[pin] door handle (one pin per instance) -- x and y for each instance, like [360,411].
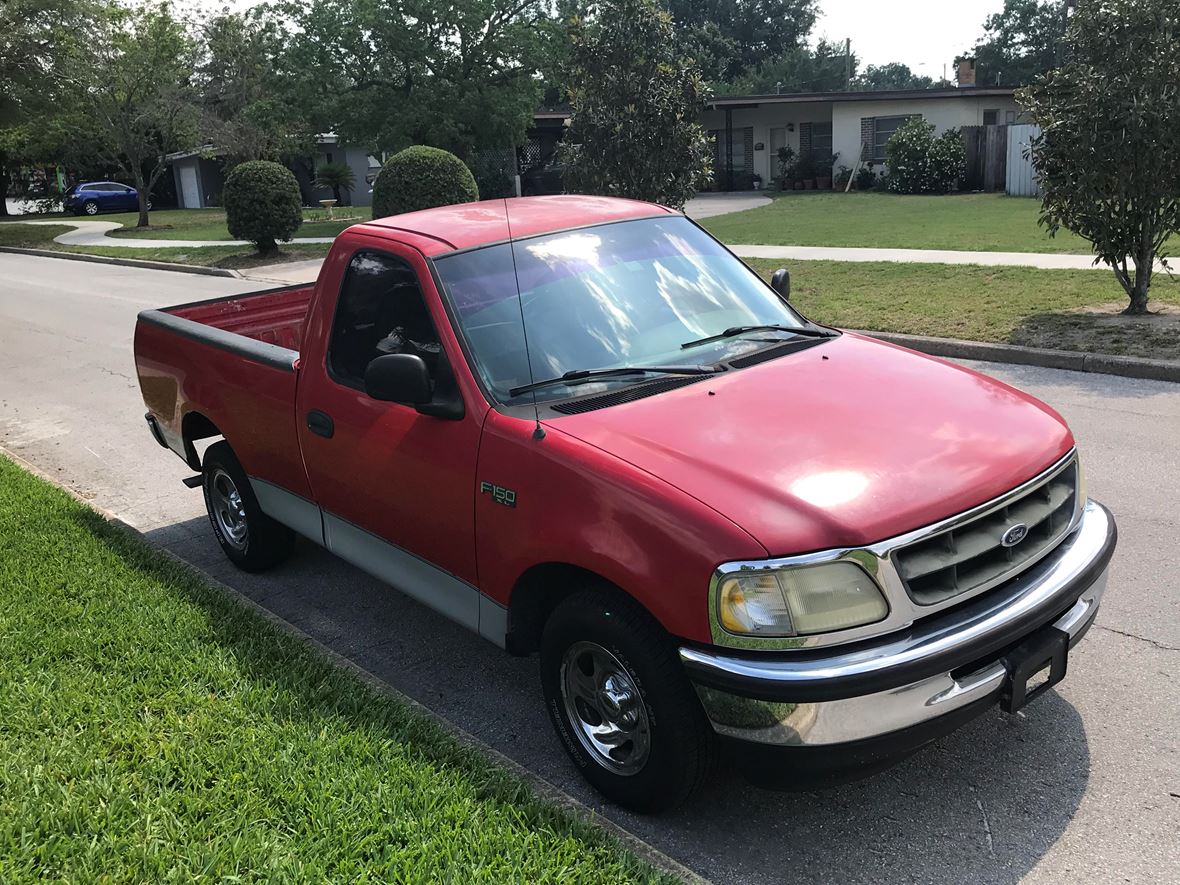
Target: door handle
[320,423]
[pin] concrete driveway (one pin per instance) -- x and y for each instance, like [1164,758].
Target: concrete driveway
[1083,786]
[708,205]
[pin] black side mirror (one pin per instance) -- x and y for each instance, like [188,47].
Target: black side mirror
[398,378]
[781,283]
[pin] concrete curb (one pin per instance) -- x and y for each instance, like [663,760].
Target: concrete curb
[125,262]
[1075,361]
[543,788]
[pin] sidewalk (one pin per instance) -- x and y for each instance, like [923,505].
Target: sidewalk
[94,233]
[1048,261]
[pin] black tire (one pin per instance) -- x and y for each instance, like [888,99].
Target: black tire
[681,746]
[90,207]
[249,538]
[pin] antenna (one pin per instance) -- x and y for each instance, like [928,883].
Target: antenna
[538,430]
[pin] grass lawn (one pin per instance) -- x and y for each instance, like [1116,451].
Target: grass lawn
[1064,309]
[31,236]
[967,222]
[209,224]
[153,729]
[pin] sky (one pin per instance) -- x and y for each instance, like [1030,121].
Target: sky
[924,34]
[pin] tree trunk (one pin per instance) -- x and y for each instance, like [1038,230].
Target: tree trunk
[1144,267]
[3,185]
[267,248]
[336,194]
[141,188]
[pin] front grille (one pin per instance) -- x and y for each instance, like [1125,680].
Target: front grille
[972,556]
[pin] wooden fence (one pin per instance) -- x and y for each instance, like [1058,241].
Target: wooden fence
[987,157]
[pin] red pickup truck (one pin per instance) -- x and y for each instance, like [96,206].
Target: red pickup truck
[581,427]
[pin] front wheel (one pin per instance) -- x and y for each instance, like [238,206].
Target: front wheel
[248,537]
[621,704]
[90,207]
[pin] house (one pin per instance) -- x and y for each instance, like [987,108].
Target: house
[199,177]
[748,130]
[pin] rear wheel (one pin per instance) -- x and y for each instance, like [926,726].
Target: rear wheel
[621,704]
[248,537]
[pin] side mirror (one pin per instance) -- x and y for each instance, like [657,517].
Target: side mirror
[398,378]
[781,283]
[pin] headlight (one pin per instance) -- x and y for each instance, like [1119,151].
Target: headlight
[799,601]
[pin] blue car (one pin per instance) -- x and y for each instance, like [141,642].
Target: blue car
[92,197]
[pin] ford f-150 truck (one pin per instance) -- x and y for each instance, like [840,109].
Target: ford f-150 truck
[581,427]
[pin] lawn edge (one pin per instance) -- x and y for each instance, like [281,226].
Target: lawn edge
[1070,360]
[125,262]
[544,789]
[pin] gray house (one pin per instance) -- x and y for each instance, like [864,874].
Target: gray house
[199,178]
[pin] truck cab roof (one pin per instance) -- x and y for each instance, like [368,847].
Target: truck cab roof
[472,225]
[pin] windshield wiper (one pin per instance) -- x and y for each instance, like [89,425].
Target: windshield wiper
[734,331]
[578,376]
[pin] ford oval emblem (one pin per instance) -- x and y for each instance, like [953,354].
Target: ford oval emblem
[1014,535]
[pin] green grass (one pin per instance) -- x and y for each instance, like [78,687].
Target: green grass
[153,729]
[209,224]
[1013,305]
[967,222]
[31,236]
[207,256]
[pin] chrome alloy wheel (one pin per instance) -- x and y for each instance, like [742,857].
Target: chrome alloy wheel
[228,510]
[605,708]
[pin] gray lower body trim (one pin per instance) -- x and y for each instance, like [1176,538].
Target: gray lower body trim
[288,508]
[415,577]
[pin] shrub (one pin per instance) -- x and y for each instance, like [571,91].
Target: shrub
[866,177]
[336,177]
[843,176]
[922,163]
[262,204]
[422,177]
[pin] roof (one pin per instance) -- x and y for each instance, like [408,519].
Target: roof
[470,225]
[883,95]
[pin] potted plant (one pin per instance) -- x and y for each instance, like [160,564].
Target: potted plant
[823,171]
[805,171]
[757,181]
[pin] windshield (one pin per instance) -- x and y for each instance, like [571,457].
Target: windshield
[623,294]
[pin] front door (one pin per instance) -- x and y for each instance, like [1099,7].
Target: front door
[396,487]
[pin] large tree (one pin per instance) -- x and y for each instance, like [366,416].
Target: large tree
[1108,157]
[826,68]
[1020,42]
[893,75]
[636,96]
[730,38]
[390,73]
[131,90]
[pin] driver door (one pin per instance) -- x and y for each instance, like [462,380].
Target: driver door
[396,487]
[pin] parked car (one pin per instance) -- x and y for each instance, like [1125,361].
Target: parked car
[582,428]
[93,197]
[546,179]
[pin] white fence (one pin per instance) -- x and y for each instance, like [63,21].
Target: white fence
[1021,176]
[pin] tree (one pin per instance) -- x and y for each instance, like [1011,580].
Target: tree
[1020,42]
[390,73]
[893,75]
[825,68]
[730,38]
[262,204]
[1108,157]
[131,90]
[337,177]
[250,111]
[636,97]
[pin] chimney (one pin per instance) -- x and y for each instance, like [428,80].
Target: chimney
[965,71]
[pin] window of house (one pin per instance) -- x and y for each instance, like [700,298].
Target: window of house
[883,129]
[821,139]
[381,311]
[328,158]
[991,117]
[1010,117]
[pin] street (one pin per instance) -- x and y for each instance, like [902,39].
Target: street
[1082,785]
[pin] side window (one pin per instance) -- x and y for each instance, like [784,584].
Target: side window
[991,117]
[381,311]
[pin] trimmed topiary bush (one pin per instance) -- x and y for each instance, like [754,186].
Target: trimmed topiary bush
[422,177]
[921,162]
[262,204]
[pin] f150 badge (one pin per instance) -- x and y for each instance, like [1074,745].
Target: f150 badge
[499,494]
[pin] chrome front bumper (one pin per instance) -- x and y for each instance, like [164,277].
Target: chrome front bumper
[937,666]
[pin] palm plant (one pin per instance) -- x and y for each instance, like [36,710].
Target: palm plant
[337,177]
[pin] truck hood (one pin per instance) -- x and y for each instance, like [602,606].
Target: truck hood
[845,443]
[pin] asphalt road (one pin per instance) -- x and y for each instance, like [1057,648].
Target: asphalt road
[1084,786]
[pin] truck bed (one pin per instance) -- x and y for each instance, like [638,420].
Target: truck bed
[275,316]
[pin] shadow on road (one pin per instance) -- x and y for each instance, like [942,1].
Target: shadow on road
[982,805]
